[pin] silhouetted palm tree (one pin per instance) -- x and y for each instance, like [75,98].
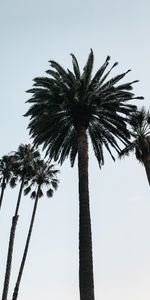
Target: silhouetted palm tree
[7,165]
[45,175]
[140,125]
[66,108]
[24,157]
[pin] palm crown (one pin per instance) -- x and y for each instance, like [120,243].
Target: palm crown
[66,101]
[140,127]
[25,157]
[7,167]
[43,174]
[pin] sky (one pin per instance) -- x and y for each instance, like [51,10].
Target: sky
[32,33]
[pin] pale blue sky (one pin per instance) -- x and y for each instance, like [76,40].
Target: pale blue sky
[33,32]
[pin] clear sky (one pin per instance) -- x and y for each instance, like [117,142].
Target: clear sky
[31,33]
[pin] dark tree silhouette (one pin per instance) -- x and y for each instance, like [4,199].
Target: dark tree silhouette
[66,108]
[140,126]
[7,165]
[24,158]
[45,175]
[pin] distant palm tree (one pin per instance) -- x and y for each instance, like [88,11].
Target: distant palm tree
[66,108]
[7,164]
[45,175]
[24,157]
[140,125]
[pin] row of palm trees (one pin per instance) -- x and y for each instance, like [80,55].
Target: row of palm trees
[67,108]
[25,167]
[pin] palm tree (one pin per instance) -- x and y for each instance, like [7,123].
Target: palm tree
[45,174]
[7,164]
[66,108]
[140,126]
[24,161]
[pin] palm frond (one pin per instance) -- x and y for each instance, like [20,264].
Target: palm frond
[75,66]
[13,182]
[99,74]
[127,150]
[49,193]
[58,69]
[27,190]
[87,71]
[33,195]
[107,74]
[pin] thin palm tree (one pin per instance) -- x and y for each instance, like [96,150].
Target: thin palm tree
[45,175]
[7,164]
[140,126]
[24,158]
[66,108]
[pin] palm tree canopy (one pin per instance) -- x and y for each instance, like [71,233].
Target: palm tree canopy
[44,174]
[140,122]
[25,157]
[7,166]
[66,101]
[140,128]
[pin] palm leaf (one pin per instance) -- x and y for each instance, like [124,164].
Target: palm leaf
[49,193]
[99,73]
[27,190]
[87,71]
[75,66]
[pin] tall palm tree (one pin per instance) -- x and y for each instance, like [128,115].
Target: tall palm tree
[24,157]
[7,165]
[66,108]
[45,175]
[140,126]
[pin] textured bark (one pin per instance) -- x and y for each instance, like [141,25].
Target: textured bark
[86,280]
[11,245]
[2,191]
[16,289]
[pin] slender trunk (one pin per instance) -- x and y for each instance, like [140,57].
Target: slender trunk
[9,258]
[2,190]
[11,245]
[16,289]
[19,196]
[86,280]
[147,168]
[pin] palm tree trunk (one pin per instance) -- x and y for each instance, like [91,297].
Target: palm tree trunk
[2,190]
[9,258]
[86,280]
[11,245]
[147,168]
[16,289]
[19,196]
